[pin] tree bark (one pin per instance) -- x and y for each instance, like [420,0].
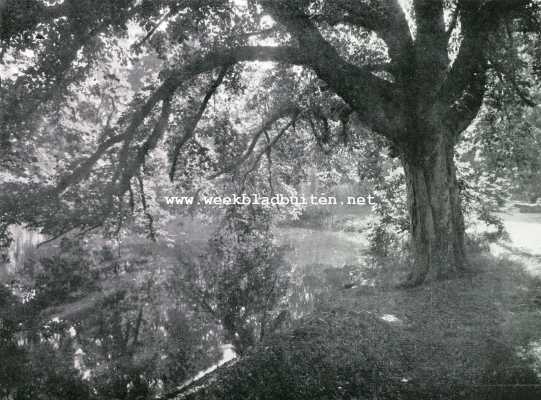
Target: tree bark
[436,218]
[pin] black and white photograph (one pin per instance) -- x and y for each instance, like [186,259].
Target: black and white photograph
[270,199]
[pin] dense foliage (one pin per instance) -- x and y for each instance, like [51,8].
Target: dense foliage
[109,109]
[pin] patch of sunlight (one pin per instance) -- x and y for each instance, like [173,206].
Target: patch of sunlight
[228,353]
[367,282]
[497,250]
[391,318]
[240,3]
[72,331]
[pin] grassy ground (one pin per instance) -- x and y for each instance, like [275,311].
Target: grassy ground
[476,331]
[478,336]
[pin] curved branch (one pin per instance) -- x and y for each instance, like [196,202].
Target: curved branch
[376,101]
[176,78]
[83,170]
[277,115]
[148,146]
[164,92]
[270,146]
[386,18]
[372,98]
[189,130]
[150,219]
[199,65]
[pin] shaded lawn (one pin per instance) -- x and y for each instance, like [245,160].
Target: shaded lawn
[469,338]
[472,337]
[459,339]
[475,331]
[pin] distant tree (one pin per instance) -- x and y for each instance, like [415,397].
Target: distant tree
[507,139]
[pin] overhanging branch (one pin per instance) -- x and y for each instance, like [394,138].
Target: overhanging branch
[274,117]
[376,101]
[270,145]
[84,169]
[385,17]
[199,65]
[189,129]
[131,169]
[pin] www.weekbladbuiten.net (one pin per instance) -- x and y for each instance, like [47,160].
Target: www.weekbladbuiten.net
[277,199]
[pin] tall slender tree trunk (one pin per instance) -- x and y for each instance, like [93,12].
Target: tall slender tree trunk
[436,219]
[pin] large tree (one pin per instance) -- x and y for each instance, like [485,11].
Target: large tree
[422,89]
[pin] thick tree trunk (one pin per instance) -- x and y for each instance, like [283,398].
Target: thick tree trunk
[436,219]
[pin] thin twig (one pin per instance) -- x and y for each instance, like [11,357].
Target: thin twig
[270,145]
[58,236]
[154,28]
[84,169]
[152,232]
[148,145]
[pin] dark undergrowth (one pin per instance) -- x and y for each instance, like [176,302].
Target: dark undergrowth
[465,338]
